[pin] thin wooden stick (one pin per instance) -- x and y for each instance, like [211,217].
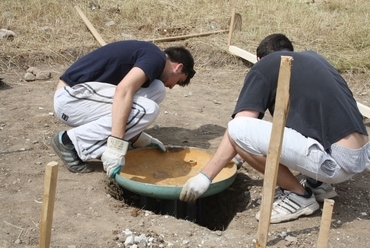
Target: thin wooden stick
[91,27]
[231,29]
[182,37]
[273,154]
[327,212]
[365,110]
[51,174]
[243,54]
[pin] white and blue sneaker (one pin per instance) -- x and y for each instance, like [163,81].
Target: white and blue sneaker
[290,206]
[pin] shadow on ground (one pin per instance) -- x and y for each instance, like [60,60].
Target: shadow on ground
[176,136]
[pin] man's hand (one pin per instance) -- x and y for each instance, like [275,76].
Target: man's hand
[145,140]
[195,187]
[114,156]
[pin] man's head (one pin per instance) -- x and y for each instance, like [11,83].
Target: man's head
[179,54]
[273,43]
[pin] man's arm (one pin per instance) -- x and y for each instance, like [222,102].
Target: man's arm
[123,98]
[113,157]
[225,152]
[197,185]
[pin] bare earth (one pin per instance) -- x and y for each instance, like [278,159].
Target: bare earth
[91,211]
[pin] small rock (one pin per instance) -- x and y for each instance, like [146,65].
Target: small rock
[129,241]
[291,239]
[138,239]
[127,36]
[43,75]
[29,77]
[4,33]
[155,127]
[33,70]
[110,23]
[45,28]
[283,234]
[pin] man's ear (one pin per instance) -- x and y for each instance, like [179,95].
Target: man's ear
[179,67]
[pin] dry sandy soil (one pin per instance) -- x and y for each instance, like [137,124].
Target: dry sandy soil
[91,211]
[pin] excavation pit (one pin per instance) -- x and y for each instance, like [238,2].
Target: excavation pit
[158,177]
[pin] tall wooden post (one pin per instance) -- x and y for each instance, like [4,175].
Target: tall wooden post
[51,174]
[273,154]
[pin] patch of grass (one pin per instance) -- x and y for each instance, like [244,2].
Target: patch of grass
[53,32]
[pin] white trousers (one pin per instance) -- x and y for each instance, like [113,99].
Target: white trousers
[298,152]
[87,108]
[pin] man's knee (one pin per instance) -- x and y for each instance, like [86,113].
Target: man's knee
[245,133]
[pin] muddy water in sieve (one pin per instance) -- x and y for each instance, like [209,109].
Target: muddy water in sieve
[171,168]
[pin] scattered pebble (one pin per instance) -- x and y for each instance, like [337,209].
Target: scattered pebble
[4,33]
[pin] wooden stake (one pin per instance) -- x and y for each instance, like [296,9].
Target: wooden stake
[182,37]
[365,110]
[273,154]
[231,29]
[243,54]
[51,174]
[327,212]
[91,27]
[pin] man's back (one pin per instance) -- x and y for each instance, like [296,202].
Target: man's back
[110,63]
[321,104]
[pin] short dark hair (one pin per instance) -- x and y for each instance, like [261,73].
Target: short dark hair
[182,55]
[273,43]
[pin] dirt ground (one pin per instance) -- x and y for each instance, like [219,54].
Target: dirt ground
[90,210]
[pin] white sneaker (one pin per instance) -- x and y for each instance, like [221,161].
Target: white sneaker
[324,191]
[289,206]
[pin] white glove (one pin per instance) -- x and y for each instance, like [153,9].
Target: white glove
[114,156]
[145,140]
[195,187]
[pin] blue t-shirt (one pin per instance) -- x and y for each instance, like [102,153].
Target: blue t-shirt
[111,63]
[321,105]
